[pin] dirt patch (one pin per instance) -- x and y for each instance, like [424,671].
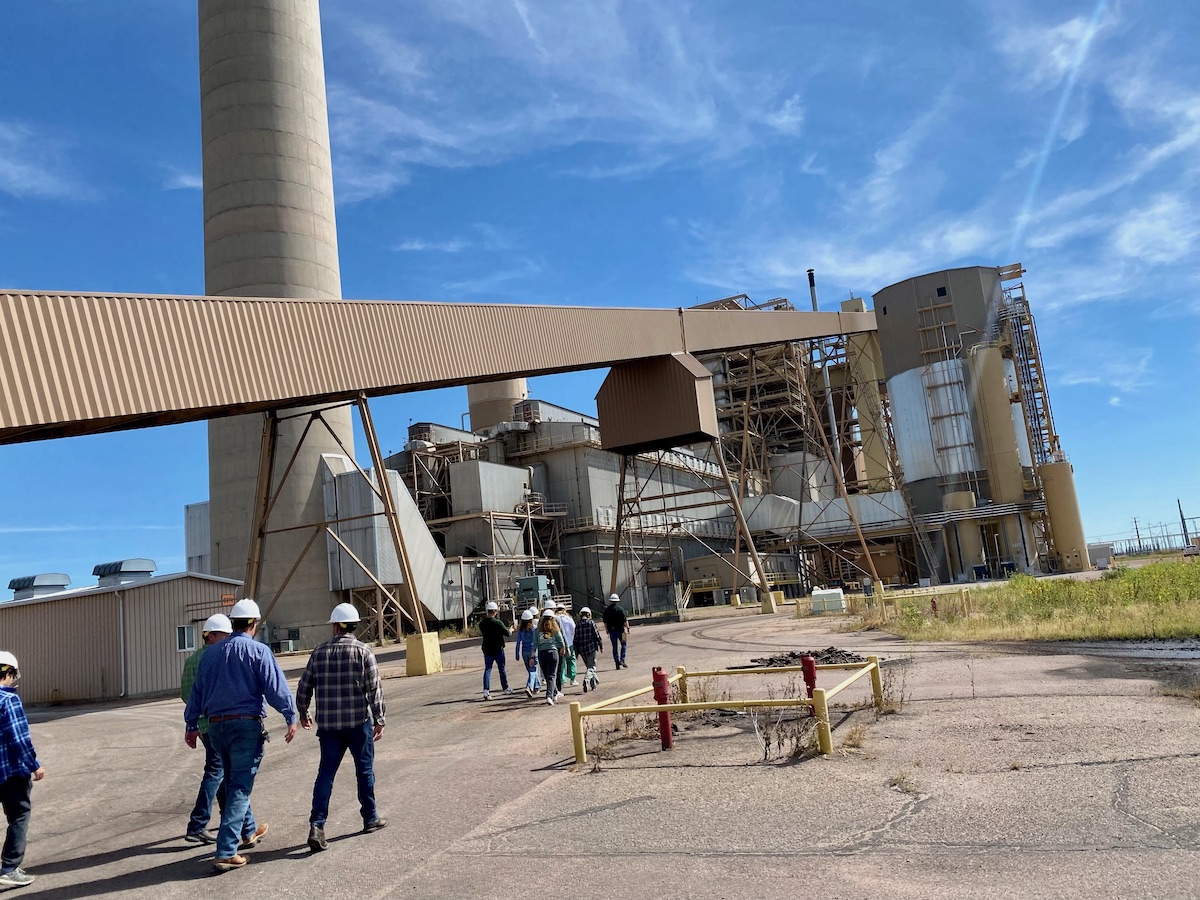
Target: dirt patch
[827,657]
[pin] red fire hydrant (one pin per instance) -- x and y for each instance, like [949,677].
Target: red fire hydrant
[662,694]
[808,668]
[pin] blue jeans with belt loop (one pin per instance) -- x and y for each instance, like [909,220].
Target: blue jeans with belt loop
[239,744]
[360,741]
[212,787]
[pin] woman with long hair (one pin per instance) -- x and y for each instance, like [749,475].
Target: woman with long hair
[550,646]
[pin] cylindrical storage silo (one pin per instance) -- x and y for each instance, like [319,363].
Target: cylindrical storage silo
[993,420]
[962,537]
[1062,506]
[493,402]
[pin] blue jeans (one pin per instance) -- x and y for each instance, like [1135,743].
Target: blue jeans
[531,679]
[498,659]
[617,638]
[212,787]
[548,660]
[14,797]
[334,743]
[238,744]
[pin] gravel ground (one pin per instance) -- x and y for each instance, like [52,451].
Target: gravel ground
[1018,771]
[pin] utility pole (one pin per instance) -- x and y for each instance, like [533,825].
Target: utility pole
[1139,535]
[1187,541]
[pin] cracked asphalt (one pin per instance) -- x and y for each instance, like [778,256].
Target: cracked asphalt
[1009,770]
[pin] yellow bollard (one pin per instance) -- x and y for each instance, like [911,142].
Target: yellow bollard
[821,711]
[683,694]
[876,681]
[577,733]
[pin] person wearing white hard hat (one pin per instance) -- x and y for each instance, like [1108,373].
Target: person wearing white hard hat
[526,651]
[19,768]
[235,681]
[586,644]
[550,649]
[567,668]
[212,782]
[350,716]
[493,632]
[617,625]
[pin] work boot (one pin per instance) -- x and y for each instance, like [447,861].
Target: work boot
[200,837]
[251,840]
[375,824]
[233,862]
[316,839]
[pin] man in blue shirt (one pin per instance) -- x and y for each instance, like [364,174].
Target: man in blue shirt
[19,768]
[235,681]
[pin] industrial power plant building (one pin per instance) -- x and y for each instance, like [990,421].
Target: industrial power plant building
[924,455]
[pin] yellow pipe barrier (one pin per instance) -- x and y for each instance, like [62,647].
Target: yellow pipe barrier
[821,711]
[876,681]
[819,702]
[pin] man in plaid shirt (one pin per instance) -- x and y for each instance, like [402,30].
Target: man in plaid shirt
[19,768]
[345,677]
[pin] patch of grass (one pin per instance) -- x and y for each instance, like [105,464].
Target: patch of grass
[1185,686]
[854,736]
[1160,600]
[1014,766]
[903,782]
[894,681]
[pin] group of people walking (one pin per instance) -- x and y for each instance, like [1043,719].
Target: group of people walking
[230,681]
[228,684]
[551,645]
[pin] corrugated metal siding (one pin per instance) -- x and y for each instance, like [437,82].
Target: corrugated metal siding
[152,614]
[78,363]
[656,403]
[68,649]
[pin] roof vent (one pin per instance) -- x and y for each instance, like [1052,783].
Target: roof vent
[124,571]
[28,586]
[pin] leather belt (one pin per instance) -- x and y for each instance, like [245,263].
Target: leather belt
[231,718]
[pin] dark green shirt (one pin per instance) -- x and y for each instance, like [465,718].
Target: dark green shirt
[494,632]
[189,678]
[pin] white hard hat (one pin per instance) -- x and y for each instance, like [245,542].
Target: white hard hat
[527,616]
[7,659]
[562,606]
[245,609]
[343,612]
[492,606]
[613,598]
[547,612]
[218,622]
[585,612]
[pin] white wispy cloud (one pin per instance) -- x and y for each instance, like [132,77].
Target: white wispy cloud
[1164,231]
[181,180]
[419,245]
[33,164]
[643,86]
[1108,363]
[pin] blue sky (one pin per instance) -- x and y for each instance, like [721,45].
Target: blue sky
[641,154]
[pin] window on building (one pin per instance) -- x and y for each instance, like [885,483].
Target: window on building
[185,638]
[941,292]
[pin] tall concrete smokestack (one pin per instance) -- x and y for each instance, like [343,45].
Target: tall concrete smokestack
[269,231]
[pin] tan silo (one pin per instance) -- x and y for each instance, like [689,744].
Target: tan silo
[1062,506]
[493,402]
[962,537]
[994,421]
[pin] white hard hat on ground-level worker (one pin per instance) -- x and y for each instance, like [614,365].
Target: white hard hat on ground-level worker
[527,616]
[613,598]
[7,659]
[586,613]
[492,606]
[548,611]
[562,606]
[343,613]
[219,622]
[245,609]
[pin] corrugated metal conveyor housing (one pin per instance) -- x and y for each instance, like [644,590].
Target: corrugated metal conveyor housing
[83,363]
